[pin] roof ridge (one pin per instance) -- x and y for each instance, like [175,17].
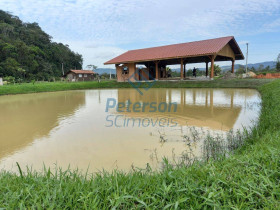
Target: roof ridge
[179,50]
[181,43]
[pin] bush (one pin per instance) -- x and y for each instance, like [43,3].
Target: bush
[278,66]
[9,79]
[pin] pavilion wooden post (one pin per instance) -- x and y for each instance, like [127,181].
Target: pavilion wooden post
[157,73]
[212,66]
[182,69]
[206,73]
[232,65]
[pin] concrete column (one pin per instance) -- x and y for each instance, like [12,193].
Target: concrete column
[182,69]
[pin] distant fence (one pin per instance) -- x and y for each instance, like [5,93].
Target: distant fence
[268,76]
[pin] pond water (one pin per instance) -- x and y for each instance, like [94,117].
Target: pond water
[116,128]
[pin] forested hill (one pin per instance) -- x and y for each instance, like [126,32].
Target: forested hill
[27,52]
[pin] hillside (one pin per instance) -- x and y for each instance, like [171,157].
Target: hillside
[27,52]
[271,64]
[106,71]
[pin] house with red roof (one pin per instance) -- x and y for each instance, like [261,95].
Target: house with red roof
[80,75]
[156,59]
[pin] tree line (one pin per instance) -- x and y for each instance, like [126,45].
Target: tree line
[261,69]
[28,53]
[240,70]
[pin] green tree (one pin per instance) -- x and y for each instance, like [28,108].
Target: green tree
[189,73]
[278,63]
[267,68]
[6,29]
[25,46]
[10,66]
[240,70]
[253,69]
[92,67]
[9,79]
[168,68]
[22,72]
[261,67]
[217,70]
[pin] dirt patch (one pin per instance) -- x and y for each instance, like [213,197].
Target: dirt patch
[268,76]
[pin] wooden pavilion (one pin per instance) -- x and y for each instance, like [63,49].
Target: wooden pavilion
[156,59]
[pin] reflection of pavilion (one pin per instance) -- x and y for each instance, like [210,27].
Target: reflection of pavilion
[26,117]
[195,107]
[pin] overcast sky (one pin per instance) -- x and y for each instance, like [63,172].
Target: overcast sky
[103,29]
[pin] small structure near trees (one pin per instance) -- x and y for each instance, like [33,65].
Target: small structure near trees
[80,75]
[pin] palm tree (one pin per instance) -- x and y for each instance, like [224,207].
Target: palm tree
[91,66]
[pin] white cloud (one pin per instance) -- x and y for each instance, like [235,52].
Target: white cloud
[94,54]
[272,26]
[244,42]
[103,27]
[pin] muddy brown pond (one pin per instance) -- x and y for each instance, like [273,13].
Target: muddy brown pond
[117,128]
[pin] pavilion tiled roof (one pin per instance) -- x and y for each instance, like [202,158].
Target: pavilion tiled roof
[189,49]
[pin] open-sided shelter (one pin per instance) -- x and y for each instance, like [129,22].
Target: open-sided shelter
[156,59]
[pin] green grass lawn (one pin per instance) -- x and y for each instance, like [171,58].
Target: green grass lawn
[61,86]
[248,179]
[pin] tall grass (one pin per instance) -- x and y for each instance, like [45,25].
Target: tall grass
[248,179]
[61,86]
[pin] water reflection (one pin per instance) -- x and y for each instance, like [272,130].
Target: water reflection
[196,107]
[70,127]
[25,118]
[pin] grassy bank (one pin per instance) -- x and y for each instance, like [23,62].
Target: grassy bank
[248,179]
[61,86]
